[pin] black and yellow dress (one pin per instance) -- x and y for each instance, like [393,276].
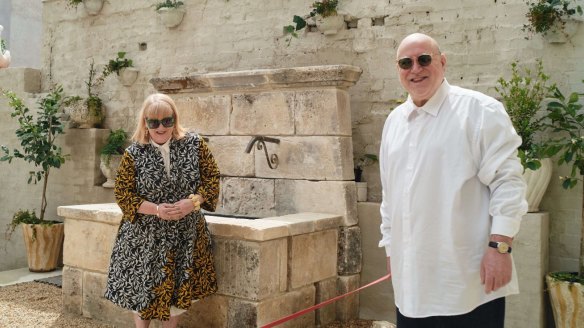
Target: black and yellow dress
[156,264]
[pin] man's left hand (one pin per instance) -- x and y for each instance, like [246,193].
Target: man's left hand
[495,270]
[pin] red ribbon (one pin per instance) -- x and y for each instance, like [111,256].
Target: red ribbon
[327,302]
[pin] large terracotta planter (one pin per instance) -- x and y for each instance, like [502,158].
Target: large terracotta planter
[43,246]
[537,183]
[567,301]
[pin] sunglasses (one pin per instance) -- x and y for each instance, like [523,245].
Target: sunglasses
[407,62]
[167,122]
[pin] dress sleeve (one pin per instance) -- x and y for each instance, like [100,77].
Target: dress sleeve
[125,189]
[209,187]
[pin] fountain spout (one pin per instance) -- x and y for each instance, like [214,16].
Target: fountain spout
[261,144]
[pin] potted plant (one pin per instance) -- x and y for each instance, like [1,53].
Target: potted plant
[363,161]
[171,12]
[92,7]
[123,67]
[111,155]
[4,53]
[522,95]
[86,113]
[43,238]
[328,21]
[552,19]
[567,121]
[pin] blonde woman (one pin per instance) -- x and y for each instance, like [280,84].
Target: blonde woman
[162,261]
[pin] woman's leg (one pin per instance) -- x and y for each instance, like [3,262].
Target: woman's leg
[139,322]
[172,322]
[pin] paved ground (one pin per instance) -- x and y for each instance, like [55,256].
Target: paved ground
[35,304]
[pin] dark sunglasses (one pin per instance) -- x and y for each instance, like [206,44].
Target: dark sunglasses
[407,62]
[167,122]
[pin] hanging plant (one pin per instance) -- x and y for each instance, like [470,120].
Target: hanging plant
[169,4]
[323,8]
[545,15]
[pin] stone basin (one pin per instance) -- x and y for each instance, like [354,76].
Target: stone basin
[266,268]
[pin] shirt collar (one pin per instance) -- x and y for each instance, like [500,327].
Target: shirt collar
[432,106]
[164,147]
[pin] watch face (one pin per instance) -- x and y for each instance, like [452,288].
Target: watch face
[503,247]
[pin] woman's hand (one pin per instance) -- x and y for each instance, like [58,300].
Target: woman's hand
[171,212]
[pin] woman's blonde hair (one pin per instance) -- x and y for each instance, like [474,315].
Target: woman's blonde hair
[153,105]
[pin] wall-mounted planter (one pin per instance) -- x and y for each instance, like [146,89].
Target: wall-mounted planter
[331,24]
[93,7]
[171,17]
[128,76]
[5,59]
[562,34]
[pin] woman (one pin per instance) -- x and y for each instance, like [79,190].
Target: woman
[161,260]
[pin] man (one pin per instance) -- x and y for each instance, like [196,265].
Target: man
[453,197]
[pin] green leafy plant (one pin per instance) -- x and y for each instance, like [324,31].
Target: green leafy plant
[116,65]
[169,4]
[37,140]
[522,95]
[115,144]
[543,15]
[93,102]
[567,122]
[324,8]
[363,161]
[73,3]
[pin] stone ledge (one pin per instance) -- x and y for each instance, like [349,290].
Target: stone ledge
[340,76]
[253,230]
[21,79]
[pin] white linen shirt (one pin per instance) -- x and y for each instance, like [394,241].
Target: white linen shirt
[450,177]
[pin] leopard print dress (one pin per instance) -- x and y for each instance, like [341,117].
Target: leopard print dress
[156,264]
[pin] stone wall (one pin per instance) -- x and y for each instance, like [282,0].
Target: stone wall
[479,38]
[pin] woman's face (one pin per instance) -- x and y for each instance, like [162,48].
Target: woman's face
[160,127]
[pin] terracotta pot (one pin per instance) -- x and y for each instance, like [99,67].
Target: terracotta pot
[567,300]
[43,245]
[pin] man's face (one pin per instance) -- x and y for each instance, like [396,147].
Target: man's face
[420,81]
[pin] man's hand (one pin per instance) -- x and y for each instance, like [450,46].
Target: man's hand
[496,268]
[388,265]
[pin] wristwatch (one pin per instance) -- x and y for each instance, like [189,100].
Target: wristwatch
[501,246]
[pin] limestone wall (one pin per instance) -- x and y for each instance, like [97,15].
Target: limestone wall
[480,39]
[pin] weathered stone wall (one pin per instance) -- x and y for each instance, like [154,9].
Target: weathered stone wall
[480,39]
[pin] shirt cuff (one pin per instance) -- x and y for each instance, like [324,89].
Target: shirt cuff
[506,226]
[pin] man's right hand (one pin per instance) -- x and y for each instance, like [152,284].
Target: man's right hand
[388,265]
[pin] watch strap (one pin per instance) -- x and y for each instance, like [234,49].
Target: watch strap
[495,244]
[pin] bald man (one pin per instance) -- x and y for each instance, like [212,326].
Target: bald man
[453,197]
